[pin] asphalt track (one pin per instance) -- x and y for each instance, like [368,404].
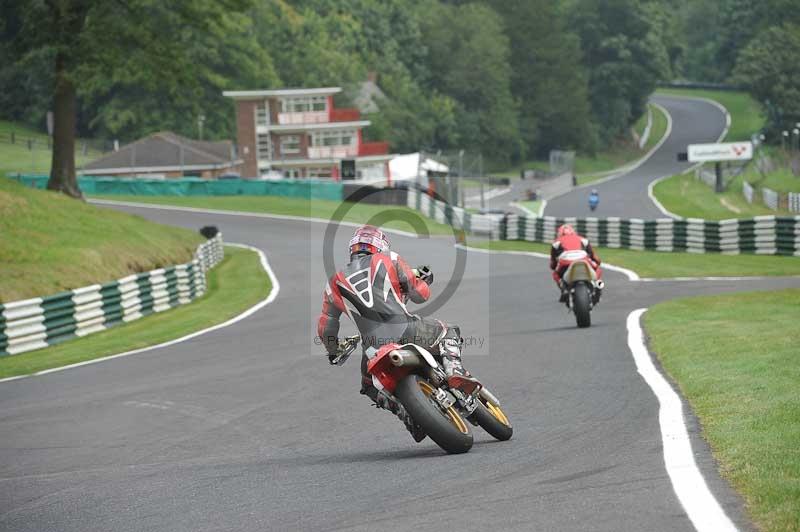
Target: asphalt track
[693,121]
[248,427]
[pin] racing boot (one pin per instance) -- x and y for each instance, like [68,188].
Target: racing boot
[450,348]
[564,292]
[457,376]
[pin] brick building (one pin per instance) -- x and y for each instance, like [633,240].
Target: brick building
[298,133]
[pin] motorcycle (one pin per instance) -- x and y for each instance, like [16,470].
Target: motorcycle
[582,284]
[416,379]
[594,201]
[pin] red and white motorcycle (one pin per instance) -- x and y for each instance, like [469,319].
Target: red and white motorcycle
[416,379]
[581,282]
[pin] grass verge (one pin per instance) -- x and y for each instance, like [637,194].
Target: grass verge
[234,285]
[18,158]
[747,116]
[532,206]
[50,243]
[686,196]
[358,213]
[660,264]
[734,358]
[780,180]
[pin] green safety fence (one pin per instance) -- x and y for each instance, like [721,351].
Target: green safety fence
[193,186]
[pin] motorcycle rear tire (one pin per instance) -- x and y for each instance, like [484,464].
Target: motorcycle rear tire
[447,428]
[496,424]
[581,305]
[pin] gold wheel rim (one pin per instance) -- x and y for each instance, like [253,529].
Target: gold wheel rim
[455,418]
[497,412]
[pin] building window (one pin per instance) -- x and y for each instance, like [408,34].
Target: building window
[262,114]
[290,144]
[334,138]
[317,173]
[304,104]
[264,147]
[292,174]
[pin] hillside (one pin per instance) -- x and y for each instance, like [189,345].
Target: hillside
[50,243]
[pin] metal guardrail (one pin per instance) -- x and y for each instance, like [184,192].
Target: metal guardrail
[43,321]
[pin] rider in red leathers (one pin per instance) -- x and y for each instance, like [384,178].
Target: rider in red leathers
[568,240]
[372,290]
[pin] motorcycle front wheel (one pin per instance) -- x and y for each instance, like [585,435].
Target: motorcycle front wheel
[444,426]
[493,420]
[581,305]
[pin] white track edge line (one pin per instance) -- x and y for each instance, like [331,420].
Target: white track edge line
[240,213]
[700,505]
[276,288]
[625,170]
[630,274]
[722,135]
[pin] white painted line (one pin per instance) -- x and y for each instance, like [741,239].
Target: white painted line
[276,288]
[694,279]
[722,135]
[646,133]
[630,274]
[657,203]
[701,507]
[240,213]
[625,170]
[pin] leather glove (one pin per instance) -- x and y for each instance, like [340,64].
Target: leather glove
[424,273]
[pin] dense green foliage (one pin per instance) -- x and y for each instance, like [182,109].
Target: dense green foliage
[753,44]
[510,78]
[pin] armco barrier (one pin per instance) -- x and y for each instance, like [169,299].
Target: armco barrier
[43,321]
[764,235]
[188,186]
[768,235]
[447,214]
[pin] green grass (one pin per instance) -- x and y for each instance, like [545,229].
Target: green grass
[746,113]
[666,265]
[18,158]
[359,213]
[233,286]
[734,358]
[532,206]
[781,180]
[688,197]
[50,243]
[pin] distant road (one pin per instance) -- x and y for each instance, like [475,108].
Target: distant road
[693,121]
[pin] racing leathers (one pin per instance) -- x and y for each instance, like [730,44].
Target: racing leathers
[571,242]
[372,290]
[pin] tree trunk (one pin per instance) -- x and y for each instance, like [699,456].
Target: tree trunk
[62,170]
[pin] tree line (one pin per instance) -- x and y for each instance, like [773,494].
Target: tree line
[512,79]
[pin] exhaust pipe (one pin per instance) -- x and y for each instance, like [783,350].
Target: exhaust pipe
[489,396]
[405,359]
[600,284]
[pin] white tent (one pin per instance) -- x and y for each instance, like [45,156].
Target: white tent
[408,166]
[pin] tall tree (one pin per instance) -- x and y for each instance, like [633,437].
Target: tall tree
[548,79]
[469,61]
[768,66]
[621,53]
[89,41]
